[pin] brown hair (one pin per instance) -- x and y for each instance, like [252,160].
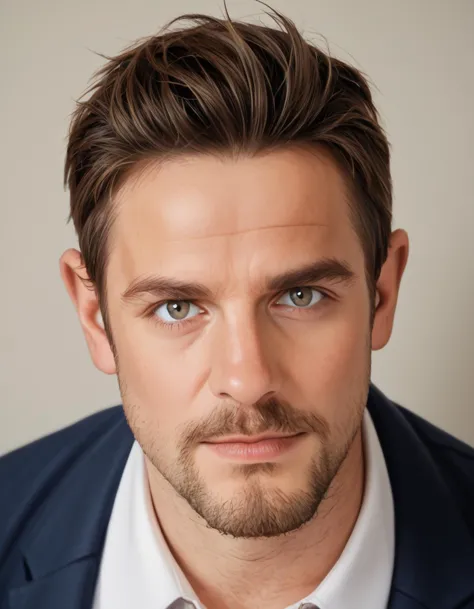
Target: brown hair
[222,86]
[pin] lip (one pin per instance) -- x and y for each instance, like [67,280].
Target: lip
[254,449]
[250,439]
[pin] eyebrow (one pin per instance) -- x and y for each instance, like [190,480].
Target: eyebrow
[327,269]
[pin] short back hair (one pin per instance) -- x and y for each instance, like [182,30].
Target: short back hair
[222,86]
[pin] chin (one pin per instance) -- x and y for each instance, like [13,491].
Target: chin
[258,504]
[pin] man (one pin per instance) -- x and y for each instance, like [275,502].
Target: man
[230,187]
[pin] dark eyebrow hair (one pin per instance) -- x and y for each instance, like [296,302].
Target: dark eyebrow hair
[329,269]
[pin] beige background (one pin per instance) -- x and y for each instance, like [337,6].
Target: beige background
[420,55]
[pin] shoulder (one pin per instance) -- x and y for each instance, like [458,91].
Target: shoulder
[453,459]
[28,472]
[448,459]
[441,445]
[36,455]
[446,445]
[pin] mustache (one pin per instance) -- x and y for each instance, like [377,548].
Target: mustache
[273,414]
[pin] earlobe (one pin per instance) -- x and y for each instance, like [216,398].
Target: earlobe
[84,297]
[388,287]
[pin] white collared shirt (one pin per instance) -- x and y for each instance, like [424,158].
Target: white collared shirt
[138,570]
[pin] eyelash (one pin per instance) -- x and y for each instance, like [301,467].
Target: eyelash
[179,324]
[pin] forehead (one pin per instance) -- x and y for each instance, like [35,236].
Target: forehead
[202,214]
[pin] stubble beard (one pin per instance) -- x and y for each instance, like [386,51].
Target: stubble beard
[255,511]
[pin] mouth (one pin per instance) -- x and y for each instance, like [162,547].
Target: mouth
[259,448]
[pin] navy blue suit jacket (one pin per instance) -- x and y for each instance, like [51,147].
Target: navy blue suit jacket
[57,494]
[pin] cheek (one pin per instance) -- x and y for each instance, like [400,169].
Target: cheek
[154,377]
[334,355]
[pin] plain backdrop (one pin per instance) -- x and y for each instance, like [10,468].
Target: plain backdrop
[420,56]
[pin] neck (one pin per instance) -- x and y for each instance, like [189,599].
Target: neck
[275,572]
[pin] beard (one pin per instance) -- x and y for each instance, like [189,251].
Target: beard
[254,511]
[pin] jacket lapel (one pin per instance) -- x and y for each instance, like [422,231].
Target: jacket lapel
[62,549]
[71,587]
[434,551]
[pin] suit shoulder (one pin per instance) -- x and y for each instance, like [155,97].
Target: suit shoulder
[437,438]
[20,468]
[453,458]
[50,443]
[31,474]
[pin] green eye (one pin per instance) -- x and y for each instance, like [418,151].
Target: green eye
[301,297]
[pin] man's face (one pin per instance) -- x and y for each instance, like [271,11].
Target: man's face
[216,341]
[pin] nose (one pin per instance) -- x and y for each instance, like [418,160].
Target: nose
[243,362]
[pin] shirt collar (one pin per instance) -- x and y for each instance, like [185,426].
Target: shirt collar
[138,568]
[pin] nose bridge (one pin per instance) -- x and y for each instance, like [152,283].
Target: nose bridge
[242,365]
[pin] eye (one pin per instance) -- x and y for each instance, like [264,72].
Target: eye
[174,311]
[301,298]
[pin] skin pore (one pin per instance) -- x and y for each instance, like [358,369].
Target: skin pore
[238,305]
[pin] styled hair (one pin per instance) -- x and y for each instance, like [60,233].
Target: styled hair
[223,87]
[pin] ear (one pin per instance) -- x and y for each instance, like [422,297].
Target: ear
[84,297]
[387,288]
